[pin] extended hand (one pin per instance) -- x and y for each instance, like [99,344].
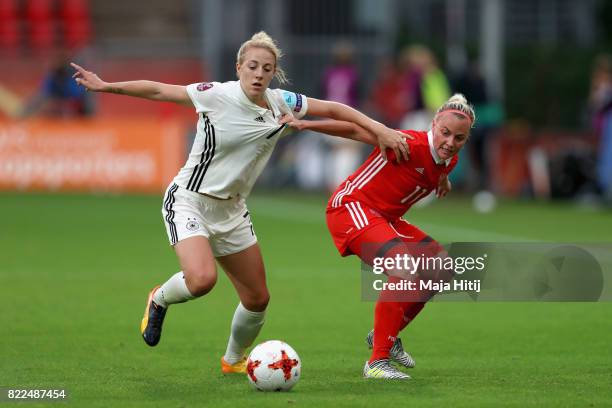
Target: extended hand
[396,141]
[88,79]
[291,121]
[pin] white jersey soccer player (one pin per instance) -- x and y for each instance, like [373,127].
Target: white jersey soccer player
[232,127]
[234,141]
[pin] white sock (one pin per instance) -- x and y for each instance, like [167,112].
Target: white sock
[173,291]
[245,328]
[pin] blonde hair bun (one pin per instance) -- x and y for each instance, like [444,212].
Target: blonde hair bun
[458,98]
[458,102]
[261,39]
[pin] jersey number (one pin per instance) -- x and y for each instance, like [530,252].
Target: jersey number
[418,193]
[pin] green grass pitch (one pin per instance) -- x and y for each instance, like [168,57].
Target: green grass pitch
[75,271]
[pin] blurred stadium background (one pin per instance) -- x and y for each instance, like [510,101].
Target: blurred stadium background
[81,177]
[537,72]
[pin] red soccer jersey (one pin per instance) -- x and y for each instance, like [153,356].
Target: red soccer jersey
[391,188]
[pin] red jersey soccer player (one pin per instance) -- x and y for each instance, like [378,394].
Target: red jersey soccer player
[364,214]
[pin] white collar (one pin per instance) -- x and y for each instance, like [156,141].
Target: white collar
[432,149]
[245,99]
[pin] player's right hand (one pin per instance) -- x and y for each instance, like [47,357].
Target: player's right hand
[87,79]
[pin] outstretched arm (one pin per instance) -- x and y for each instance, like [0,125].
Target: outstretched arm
[338,128]
[387,138]
[155,91]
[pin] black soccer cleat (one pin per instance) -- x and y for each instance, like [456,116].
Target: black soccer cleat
[151,325]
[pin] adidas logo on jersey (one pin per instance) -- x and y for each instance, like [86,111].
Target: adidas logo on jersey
[259,119]
[420,169]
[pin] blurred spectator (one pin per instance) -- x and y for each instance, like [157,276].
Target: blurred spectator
[489,115]
[427,87]
[601,105]
[337,157]
[341,79]
[388,98]
[59,95]
[397,90]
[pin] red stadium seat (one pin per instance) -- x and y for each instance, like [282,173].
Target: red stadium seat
[41,24]
[76,22]
[10,35]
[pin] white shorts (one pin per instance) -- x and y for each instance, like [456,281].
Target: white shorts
[226,223]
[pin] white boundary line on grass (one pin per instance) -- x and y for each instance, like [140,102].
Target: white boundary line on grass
[288,210]
[315,214]
[300,212]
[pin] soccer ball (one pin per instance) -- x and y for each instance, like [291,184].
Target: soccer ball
[273,366]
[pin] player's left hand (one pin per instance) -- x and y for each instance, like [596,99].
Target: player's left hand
[88,80]
[396,141]
[444,186]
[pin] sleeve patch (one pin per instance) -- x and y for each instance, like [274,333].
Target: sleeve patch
[204,86]
[298,103]
[293,100]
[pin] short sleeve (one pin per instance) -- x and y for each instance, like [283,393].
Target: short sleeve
[296,102]
[205,96]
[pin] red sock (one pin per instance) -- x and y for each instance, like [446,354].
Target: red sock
[411,312]
[388,319]
[415,307]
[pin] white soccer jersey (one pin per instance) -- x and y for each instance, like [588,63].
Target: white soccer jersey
[234,138]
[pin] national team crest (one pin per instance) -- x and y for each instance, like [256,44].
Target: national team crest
[204,86]
[192,224]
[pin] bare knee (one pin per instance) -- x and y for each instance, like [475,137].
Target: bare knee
[200,281]
[198,264]
[256,302]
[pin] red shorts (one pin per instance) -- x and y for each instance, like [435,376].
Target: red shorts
[360,230]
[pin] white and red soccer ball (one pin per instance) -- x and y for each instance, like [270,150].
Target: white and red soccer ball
[273,366]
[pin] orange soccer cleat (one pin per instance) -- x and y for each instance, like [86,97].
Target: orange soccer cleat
[239,368]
